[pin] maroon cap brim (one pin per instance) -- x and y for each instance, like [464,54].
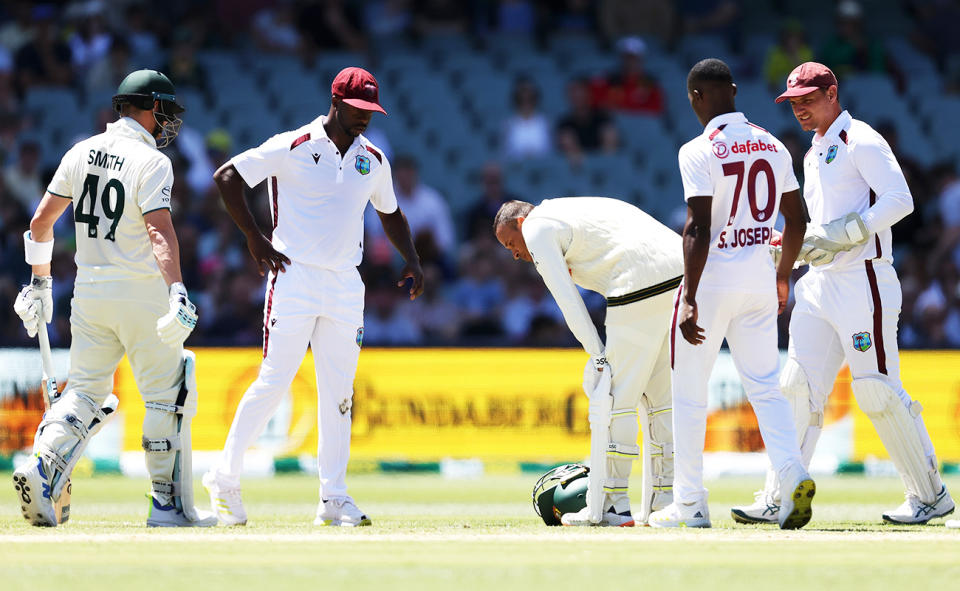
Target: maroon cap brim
[796,91]
[365,105]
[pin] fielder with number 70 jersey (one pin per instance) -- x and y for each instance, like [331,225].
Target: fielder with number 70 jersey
[620,252]
[129,298]
[736,177]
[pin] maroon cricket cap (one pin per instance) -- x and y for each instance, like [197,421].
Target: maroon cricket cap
[358,88]
[806,78]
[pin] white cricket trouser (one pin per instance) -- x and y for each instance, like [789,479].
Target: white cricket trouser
[111,318]
[749,323]
[848,314]
[304,306]
[637,348]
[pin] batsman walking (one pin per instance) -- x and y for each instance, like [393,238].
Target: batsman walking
[320,178]
[848,303]
[129,299]
[620,252]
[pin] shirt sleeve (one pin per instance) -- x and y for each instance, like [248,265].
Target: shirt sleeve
[790,182]
[880,169]
[383,198]
[265,160]
[544,239]
[61,184]
[156,183]
[695,172]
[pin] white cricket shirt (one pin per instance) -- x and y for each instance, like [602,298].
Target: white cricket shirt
[851,168]
[746,170]
[317,195]
[604,245]
[114,178]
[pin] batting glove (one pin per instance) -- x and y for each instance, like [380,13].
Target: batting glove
[592,372]
[34,300]
[174,327]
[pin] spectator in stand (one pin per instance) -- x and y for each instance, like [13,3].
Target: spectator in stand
[331,25]
[492,196]
[479,292]
[852,50]
[45,60]
[718,17]
[107,73]
[182,65]
[585,128]
[527,132]
[630,89]
[22,176]
[143,41]
[18,30]
[434,313]
[948,204]
[90,40]
[790,50]
[427,212]
[275,28]
[388,18]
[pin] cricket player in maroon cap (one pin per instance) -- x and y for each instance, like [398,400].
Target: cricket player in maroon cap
[319,179]
[848,303]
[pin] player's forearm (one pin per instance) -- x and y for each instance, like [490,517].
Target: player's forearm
[397,229]
[41,226]
[890,208]
[230,186]
[696,247]
[166,249]
[792,242]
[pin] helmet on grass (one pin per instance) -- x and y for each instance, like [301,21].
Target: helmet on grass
[560,491]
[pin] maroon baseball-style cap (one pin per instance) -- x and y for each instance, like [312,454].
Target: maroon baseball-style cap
[806,78]
[358,88]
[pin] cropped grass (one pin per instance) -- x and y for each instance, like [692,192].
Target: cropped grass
[435,533]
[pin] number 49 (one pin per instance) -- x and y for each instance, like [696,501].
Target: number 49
[758,166]
[113,212]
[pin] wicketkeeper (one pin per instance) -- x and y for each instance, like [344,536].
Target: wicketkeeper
[613,248]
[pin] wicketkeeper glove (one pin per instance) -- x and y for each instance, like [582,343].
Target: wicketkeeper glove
[34,299]
[592,372]
[841,234]
[174,327]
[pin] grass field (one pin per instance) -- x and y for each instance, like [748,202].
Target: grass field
[434,533]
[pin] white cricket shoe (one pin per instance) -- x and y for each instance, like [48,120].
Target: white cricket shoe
[953,523]
[795,507]
[340,511]
[225,501]
[913,511]
[609,518]
[171,516]
[32,485]
[681,515]
[763,510]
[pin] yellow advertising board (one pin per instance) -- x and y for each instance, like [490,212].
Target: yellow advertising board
[503,405]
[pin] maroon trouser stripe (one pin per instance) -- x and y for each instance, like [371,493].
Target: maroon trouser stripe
[673,326]
[877,318]
[273,183]
[266,316]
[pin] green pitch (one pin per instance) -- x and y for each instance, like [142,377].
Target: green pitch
[432,533]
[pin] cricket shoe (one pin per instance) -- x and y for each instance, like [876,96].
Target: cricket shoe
[171,516]
[610,518]
[795,507]
[681,515]
[913,511]
[340,511]
[952,523]
[225,501]
[32,485]
[763,510]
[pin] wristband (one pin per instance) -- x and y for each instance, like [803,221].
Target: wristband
[37,253]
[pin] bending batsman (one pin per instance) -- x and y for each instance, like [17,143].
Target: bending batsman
[615,249]
[848,304]
[736,176]
[129,298]
[320,178]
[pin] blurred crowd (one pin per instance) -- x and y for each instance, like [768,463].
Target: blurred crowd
[476,295]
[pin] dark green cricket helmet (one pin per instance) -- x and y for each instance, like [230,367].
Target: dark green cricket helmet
[560,491]
[143,89]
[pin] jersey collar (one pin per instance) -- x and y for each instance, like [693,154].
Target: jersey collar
[839,124]
[129,127]
[722,120]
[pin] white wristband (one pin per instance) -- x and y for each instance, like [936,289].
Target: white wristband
[37,253]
